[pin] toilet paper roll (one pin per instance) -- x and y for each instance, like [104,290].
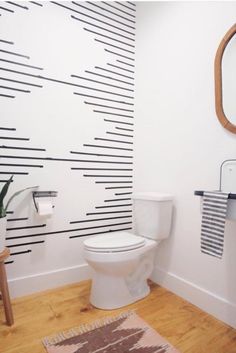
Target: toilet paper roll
[45,208]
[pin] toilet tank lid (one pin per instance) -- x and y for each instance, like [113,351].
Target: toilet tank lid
[154,196]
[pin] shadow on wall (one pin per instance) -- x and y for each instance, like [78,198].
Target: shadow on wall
[166,244]
[230,249]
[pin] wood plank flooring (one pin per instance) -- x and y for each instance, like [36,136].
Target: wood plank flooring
[188,328]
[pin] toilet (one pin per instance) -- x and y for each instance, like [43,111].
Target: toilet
[123,261]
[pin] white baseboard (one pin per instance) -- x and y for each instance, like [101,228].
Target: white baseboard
[207,301]
[47,280]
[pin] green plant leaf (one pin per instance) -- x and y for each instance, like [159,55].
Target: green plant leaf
[4,190]
[2,212]
[16,194]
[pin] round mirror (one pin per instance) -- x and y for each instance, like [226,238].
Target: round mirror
[225,80]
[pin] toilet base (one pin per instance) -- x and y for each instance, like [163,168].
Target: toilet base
[120,278]
[109,292]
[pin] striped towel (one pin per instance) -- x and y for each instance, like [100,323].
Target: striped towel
[213,222]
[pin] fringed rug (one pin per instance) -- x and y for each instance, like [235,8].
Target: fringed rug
[124,333]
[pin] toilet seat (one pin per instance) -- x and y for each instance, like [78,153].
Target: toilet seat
[115,242]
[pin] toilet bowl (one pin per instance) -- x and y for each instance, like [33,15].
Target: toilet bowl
[123,261]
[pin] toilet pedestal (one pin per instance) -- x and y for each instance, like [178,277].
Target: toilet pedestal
[109,292]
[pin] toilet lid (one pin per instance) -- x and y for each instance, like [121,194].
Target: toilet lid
[117,241]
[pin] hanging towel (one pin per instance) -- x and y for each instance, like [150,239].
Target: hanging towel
[213,222]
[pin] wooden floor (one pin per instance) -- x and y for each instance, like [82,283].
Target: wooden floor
[186,327]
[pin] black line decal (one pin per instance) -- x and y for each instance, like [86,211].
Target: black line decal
[123,62]
[21,165]
[98,213]
[107,176]
[109,77]
[7,96]
[36,3]
[117,134]
[102,83]
[123,193]
[8,128]
[124,205]
[123,56]
[119,187]
[101,14]
[6,9]
[117,121]
[108,106]
[13,53]
[109,147]
[108,37]
[122,4]
[14,138]
[123,115]
[113,169]
[112,12]
[122,128]
[121,68]
[91,17]
[21,82]
[114,46]
[99,219]
[15,89]
[21,252]
[17,63]
[106,99]
[18,5]
[109,231]
[23,148]
[23,244]
[113,182]
[111,140]
[116,8]
[17,219]
[115,200]
[6,41]
[15,173]
[65,231]
[27,227]
[57,159]
[114,72]
[64,82]
[101,155]
[104,29]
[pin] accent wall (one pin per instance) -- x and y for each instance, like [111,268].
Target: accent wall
[67,125]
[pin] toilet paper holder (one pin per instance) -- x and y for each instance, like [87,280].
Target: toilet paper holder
[37,194]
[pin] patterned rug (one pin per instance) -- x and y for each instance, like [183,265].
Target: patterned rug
[124,333]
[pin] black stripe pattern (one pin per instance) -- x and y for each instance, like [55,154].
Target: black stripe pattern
[214,211]
[107,91]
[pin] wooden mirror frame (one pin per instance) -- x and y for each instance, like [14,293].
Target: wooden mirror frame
[218,81]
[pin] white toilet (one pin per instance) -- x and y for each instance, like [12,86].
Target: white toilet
[121,261]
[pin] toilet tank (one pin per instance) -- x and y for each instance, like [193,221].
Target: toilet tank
[152,214]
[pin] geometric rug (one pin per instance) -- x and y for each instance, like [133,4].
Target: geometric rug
[121,334]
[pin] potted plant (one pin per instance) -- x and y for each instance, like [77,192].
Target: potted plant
[3,210]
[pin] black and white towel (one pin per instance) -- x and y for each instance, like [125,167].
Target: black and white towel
[214,210]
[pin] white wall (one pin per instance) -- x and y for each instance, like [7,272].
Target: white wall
[55,119]
[180,145]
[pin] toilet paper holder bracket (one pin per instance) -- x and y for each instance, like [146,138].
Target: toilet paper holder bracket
[37,194]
